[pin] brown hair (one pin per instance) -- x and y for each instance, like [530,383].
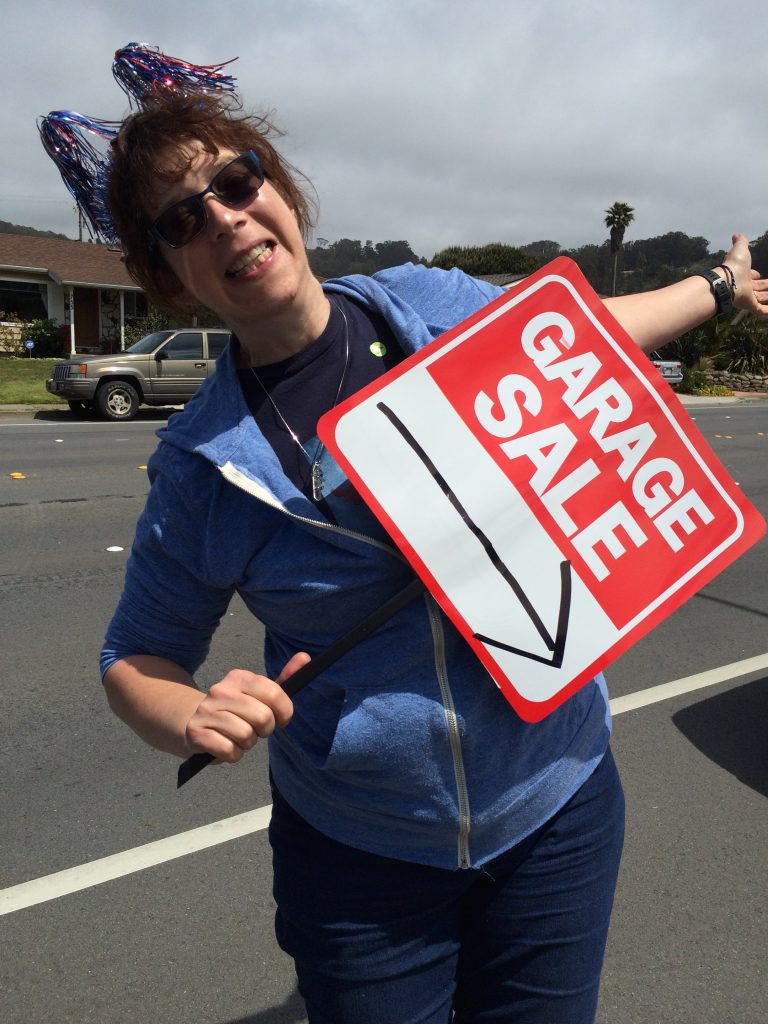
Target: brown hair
[148,149]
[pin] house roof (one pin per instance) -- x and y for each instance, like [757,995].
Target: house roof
[502,280]
[65,261]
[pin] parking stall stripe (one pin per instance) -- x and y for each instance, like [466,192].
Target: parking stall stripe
[72,880]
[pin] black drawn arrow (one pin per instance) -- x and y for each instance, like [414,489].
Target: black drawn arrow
[554,644]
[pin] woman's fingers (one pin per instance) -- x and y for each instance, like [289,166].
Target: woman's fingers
[235,712]
[298,661]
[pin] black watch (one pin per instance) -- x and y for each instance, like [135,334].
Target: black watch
[720,290]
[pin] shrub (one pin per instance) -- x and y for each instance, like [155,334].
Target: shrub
[700,342]
[721,361]
[496,258]
[46,336]
[747,348]
[138,327]
[695,382]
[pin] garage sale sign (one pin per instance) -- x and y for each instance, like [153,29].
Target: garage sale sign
[545,483]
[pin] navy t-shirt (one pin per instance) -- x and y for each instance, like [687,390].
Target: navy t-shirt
[305,386]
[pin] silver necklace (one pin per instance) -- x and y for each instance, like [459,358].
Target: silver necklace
[315,469]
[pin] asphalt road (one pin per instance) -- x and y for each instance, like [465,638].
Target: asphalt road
[190,939]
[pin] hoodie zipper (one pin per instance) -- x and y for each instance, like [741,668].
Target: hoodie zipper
[454,737]
[239,479]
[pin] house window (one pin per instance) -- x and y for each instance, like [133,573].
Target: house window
[27,301]
[135,304]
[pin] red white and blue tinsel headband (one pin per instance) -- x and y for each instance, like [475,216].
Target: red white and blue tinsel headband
[142,72]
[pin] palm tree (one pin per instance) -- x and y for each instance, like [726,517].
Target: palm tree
[618,218]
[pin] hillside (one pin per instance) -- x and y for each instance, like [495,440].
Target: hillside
[6,228]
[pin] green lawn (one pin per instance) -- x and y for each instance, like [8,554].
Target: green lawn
[22,381]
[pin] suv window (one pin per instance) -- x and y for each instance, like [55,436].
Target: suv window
[217,342]
[187,345]
[148,344]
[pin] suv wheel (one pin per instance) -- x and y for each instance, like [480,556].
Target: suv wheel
[117,400]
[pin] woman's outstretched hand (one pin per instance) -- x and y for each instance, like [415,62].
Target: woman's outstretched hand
[751,293]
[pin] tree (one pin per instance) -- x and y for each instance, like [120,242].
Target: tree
[6,228]
[618,218]
[393,254]
[593,262]
[543,251]
[759,249]
[351,256]
[495,258]
[674,249]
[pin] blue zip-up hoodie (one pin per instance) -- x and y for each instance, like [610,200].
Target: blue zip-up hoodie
[405,747]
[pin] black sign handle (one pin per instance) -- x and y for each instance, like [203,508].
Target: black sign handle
[194,764]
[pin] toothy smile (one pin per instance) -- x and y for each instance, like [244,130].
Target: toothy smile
[250,260]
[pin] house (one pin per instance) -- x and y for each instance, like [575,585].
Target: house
[81,285]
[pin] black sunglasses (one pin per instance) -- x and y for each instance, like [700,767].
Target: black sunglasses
[236,183]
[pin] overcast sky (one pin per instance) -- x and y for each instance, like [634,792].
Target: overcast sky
[438,121]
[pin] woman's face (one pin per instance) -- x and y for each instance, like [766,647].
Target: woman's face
[248,264]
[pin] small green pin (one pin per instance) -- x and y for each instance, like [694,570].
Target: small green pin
[379,348]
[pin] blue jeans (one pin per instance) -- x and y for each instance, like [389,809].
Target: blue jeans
[520,941]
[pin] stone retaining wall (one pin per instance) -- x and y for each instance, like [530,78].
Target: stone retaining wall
[737,381]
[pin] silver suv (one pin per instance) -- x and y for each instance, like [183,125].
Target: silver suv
[164,368]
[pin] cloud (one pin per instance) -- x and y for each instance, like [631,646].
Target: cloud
[438,121]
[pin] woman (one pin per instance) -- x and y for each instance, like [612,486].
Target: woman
[433,854]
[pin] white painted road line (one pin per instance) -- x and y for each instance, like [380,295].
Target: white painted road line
[78,424]
[64,883]
[633,701]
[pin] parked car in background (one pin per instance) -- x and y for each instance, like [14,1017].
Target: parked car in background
[670,369]
[164,368]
